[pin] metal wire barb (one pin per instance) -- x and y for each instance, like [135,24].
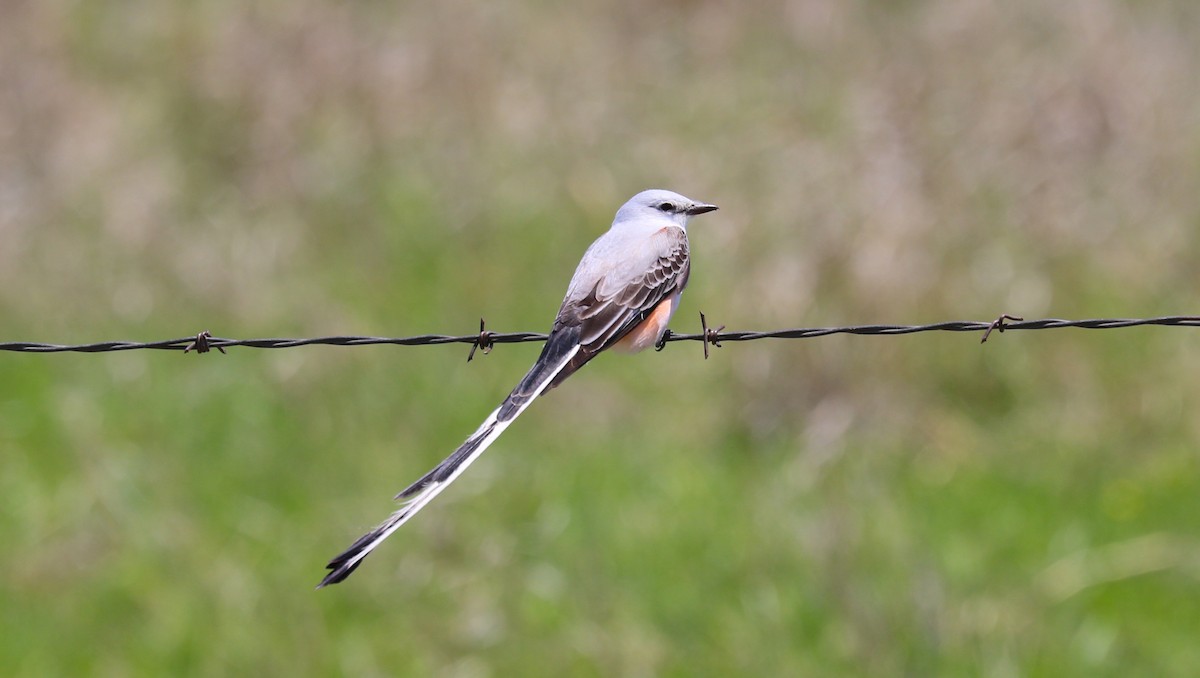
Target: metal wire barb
[484,339]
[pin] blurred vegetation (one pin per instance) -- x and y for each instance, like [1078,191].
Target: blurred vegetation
[846,505]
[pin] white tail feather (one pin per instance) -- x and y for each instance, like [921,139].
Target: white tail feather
[491,429]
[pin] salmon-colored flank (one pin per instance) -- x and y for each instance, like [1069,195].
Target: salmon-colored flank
[644,335]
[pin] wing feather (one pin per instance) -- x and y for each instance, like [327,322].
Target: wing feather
[612,308]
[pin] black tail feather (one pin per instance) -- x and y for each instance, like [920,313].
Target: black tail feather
[443,470]
[343,564]
[552,362]
[561,342]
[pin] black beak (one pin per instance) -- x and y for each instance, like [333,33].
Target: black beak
[699,208]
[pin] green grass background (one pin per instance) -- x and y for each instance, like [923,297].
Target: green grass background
[918,505]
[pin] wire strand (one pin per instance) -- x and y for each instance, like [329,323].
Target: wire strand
[203,342]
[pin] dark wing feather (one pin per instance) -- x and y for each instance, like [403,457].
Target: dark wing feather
[604,317]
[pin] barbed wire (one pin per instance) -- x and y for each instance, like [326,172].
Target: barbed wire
[203,342]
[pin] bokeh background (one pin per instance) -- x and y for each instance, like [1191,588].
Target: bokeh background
[916,505]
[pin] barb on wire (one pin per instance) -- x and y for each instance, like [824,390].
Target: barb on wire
[711,336]
[998,325]
[485,339]
[483,342]
[200,344]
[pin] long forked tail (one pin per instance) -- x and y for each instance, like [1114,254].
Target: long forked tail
[556,356]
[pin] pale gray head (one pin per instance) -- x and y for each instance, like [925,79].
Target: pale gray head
[659,204]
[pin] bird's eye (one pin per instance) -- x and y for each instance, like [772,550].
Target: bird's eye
[666,207]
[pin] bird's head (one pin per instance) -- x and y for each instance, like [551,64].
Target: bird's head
[659,204]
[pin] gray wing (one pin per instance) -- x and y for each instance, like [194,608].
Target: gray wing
[622,298]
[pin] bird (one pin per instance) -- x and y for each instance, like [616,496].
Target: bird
[622,296]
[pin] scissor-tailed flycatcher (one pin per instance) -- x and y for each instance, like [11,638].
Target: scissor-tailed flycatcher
[622,296]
